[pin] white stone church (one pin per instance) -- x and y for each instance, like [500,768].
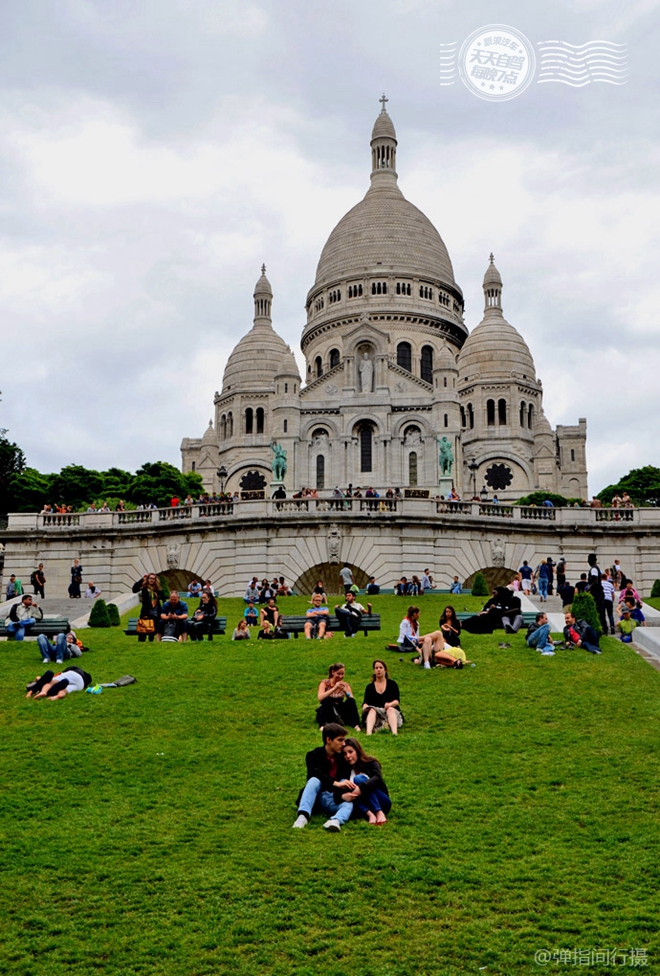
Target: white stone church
[390,370]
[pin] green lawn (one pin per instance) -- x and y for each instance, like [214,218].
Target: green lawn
[653,601]
[148,830]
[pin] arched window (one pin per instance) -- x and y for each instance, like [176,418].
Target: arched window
[523,413]
[572,454]
[530,416]
[334,358]
[427,364]
[192,466]
[446,420]
[444,378]
[230,424]
[249,420]
[412,469]
[471,416]
[463,418]
[501,413]
[318,365]
[260,420]
[286,387]
[223,427]
[366,448]
[490,413]
[320,471]
[404,356]
[286,426]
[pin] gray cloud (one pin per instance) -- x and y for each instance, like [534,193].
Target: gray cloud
[153,155]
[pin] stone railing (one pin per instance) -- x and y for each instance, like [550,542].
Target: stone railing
[474,511]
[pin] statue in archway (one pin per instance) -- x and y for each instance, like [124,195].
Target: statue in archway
[366,369]
[446,459]
[279,461]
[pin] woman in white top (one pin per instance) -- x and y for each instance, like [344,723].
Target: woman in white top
[429,645]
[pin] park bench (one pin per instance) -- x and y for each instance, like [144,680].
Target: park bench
[529,616]
[296,625]
[219,627]
[48,626]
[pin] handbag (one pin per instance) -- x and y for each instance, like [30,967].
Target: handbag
[145,625]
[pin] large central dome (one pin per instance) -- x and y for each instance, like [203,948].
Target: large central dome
[384,229]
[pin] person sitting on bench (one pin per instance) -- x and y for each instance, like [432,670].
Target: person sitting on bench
[350,614]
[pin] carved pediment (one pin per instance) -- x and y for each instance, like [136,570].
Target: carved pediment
[403,382]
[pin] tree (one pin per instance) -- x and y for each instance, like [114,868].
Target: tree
[29,490]
[642,484]
[99,617]
[538,497]
[12,463]
[159,481]
[479,586]
[584,608]
[76,485]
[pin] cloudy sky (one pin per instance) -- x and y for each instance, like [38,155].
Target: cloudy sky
[154,152]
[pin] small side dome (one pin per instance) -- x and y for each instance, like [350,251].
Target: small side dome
[446,358]
[209,436]
[287,365]
[542,425]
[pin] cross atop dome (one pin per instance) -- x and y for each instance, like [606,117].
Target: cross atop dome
[383,147]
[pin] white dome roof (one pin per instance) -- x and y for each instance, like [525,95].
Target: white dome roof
[254,362]
[494,348]
[287,365]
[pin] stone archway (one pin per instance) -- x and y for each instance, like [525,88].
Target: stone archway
[329,573]
[178,579]
[494,576]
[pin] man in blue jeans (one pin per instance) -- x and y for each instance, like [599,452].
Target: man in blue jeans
[22,616]
[326,768]
[538,635]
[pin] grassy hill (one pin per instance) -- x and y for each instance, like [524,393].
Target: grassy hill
[148,830]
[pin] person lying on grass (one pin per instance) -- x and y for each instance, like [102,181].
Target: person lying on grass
[445,642]
[366,788]
[326,770]
[381,707]
[58,686]
[337,703]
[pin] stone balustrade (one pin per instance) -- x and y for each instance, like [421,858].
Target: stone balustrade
[484,512]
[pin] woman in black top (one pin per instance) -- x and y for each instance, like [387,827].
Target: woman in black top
[380,707]
[368,791]
[203,618]
[450,626]
[151,600]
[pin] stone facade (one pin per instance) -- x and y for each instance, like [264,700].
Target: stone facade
[309,538]
[390,370]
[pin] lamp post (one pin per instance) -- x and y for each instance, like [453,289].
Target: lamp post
[474,467]
[484,494]
[222,475]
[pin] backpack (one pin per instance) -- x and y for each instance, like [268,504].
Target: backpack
[33,578]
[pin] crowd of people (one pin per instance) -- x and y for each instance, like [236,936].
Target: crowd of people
[169,619]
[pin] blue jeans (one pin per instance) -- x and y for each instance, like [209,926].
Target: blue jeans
[313,795]
[539,639]
[377,799]
[53,652]
[543,587]
[17,628]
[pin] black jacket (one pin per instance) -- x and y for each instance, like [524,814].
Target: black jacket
[373,770]
[147,609]
[318,766]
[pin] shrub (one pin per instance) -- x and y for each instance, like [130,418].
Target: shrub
[165,586]
[479,586]
[99,617]
[113,613]
[656,588]
[584,608]
[538,497]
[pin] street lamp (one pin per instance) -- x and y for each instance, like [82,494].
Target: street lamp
[222,475]
[484,493]
[474,467]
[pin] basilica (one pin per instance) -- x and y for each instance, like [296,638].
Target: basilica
[396,391]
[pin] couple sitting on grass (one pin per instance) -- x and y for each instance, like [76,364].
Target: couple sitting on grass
[342,782]
[440,646]
[381,707]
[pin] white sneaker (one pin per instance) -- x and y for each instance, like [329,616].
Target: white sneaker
[427,665]
[332,825]
[300,821]
[45,660]
[548,653]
